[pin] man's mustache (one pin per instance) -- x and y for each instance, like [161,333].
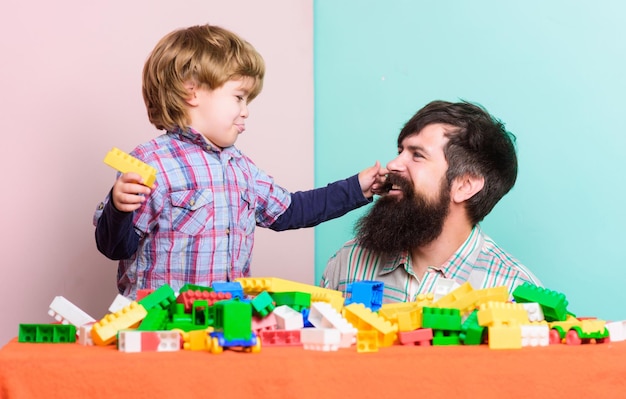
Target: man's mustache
[398,181]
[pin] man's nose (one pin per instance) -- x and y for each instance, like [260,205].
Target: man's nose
[395,165]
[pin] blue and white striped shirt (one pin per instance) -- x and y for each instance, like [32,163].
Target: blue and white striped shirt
[478,260]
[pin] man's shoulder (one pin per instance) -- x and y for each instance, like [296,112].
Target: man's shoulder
[501,262]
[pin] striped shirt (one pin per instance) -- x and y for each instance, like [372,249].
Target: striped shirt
[478,261]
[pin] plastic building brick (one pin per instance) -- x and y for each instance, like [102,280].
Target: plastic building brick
[494,294]
[232,287]
[443,287]
[233,327]
[262,304]
[535,335]
[196,340]
[407,318]
[133,341]
[104,332]
[617,330]
[320,339]
[253,286]
[494,313]
[142,293]
[446,338]
[287,318]
[558,329]
[587,331]
[47,333]
[323,315]
[264,324]
[367,341]
[84,334]
[295,300]
[456,298]
[305,316]
[118,303]
[200,315]
[364,319]
[369,293]
[472,333]
[155,320]
[534,311]
[194,287]
[441,319]
[123,162]
[66,312]
[280,337]
[505,336]
[420,337]
[162,297]
[188,297]
[554,304]
[424,299]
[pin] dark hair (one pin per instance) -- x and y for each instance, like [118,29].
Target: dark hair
[479,145]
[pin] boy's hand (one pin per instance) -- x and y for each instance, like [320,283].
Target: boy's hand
[369,180]
[128,193]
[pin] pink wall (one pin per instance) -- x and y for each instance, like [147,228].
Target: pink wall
[70,89]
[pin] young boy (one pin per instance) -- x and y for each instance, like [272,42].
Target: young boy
[196,224]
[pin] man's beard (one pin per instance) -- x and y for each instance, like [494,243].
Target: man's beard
[397,224]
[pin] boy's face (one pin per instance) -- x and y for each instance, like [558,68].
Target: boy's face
[220,114]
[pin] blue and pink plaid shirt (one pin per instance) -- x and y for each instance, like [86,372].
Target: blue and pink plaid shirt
[198,224]
[479,260]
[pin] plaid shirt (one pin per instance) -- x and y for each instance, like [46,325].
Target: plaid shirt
[197,225]
[479,260]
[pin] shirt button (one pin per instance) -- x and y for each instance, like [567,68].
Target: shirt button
[192,202]
[227,231]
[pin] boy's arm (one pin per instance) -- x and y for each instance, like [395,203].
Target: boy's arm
[115,234]
[310,208]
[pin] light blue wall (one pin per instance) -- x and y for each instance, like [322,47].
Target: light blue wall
[553,71]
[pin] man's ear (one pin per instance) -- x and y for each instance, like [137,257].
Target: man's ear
[466,186]
[192,94]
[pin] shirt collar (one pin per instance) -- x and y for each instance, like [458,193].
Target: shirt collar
[465,256]
[192,136]
[393,262]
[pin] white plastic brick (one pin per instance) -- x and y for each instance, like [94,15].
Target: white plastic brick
[119,303]
[320,339]
[84,334]
[443,287]
[617,330]
[535,335]
[287,318]
[66,312]
[534,311]
[323,315]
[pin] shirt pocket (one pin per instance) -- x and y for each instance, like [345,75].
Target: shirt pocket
[192,211]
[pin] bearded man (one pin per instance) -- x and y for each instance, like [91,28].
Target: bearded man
[455,162]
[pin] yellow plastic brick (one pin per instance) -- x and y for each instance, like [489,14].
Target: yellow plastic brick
[254,286]
[364,319]
[497,313]
[123,162]
[105,331]
[505,337]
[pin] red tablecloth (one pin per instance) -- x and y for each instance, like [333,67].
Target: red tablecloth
[73,371]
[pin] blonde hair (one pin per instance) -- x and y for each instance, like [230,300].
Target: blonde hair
[207,55]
